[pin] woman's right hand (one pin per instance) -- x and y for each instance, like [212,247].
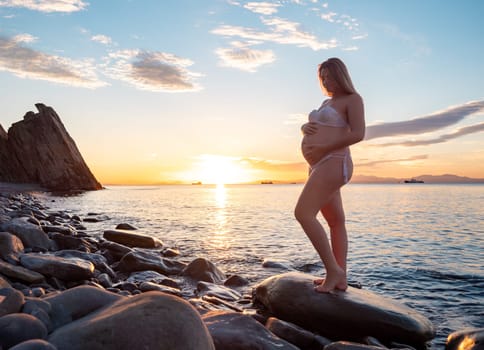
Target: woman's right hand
[309,128]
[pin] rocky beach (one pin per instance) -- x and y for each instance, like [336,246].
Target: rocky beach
[120,289]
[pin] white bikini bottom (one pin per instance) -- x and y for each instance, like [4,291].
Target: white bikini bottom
[345,156]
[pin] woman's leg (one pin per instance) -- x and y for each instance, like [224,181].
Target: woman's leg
[323,183]
[335,217]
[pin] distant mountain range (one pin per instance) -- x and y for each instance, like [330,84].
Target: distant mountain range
[446,178]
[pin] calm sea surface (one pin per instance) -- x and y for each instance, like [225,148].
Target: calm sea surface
[421,244]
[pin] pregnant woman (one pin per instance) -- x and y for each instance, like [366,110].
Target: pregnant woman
[332,128]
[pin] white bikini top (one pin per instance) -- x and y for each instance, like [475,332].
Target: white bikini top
[327,116]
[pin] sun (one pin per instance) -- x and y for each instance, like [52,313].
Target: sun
[216,169]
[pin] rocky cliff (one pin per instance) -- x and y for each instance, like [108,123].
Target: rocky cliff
[39,150]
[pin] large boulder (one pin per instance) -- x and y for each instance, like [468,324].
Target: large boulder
[347,315]
[39,150]
[151,320]
[77,302]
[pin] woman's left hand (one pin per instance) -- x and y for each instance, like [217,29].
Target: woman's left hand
[315,152]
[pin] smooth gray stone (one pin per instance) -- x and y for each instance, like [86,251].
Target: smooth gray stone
[20,273]
[99,261]
[34,344]
[296,335]
[10,247]
[16,328]
[131,239]
[466,339]
[152,320]
[77,302]
[236,281]
[126,226]
[31,235]
[11,301]
[66,269]
[348,315]
[138,260]
[215,290]
[202,269]
[236,331]
[150,286]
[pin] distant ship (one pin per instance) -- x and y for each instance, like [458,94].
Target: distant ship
[414,181]
[266,182]
[197,183]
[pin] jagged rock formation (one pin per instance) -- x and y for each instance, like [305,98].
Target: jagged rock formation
[39,150]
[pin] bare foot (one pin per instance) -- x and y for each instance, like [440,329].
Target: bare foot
[336,280]
[318,281]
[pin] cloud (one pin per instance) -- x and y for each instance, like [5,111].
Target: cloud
[103,39]
[281,31]
[384,161]
[47,5]
[245,58]
[28,63]
[265,8]
[24,38]
[472,129]
[426,123]
[153,71]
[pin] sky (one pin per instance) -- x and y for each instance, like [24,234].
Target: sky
[216,91]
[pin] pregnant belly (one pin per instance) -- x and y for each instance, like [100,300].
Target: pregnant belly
[325,134]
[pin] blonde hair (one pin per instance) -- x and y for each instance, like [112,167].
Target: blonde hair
[339,73]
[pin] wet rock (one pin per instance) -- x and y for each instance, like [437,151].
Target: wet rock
[150,286]
[202,269]
[64,230]
[126,226]
[214,290]
[71,242]
[99,261]
[66,269]
[274,264]
[11,301]
[20,273]
[16,328]
[151,320]
[467,339]
[152,276]
[116,250]
[345,315]
[105,280]
[233,330]
[31,235]
[170,252]
[34,344]
[296,335]
[77,302]
[10,247]
[131,239]
[138,260]
[236,281]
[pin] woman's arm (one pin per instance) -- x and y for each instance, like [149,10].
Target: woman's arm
[356,133]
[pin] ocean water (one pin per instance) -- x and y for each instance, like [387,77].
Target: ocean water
[420,244]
